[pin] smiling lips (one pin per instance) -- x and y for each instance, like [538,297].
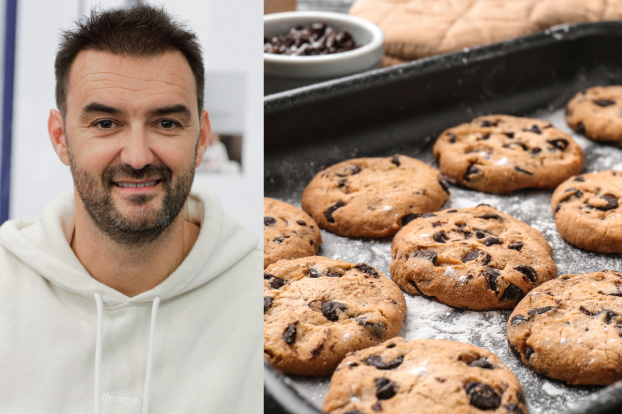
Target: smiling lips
[125,184]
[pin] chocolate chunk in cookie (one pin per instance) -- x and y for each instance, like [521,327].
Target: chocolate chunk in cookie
[377,198]
[516,153]
[474,258]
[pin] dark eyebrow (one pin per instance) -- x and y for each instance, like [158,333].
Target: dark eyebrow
[180,109]
[99,107]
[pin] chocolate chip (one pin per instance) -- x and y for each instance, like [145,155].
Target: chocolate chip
[491,241]
[385,389]
[396,160]
[609,315]
[512,293]
[452,137]
[491,276]
[520,397]
[518,319]
[267,276]
[539,311]
[560,143]
[330,210]
[480,234]
[519,169]
[349,170]
[377,406]
[440,237]
[376,361]
[472,170]
[408,218]
[612,202]
[341,183]
[290,333]
[587,312]
[482,396]
[484,137]
[444,186]
[277,283]
[367,269]
[301,223]
[426,255]
[604,102]
[428,215]
[413,284]
[280,239]
[579,178]
[330,308]
[509,134]
[576,192]
[529,352]
[516,246]
[330,273]
[267,302]
[269,221]
[390,346]
[534,129]
[581,128]
[477,255]
[535,151]
[452,211]
[514,351]
[481,363]
[491,216]
[313,273]
[488,123]
[528,271]
[376,329]
[513,408]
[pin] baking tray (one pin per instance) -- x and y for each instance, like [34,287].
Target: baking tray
[401,110]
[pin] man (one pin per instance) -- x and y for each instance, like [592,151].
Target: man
[131,294]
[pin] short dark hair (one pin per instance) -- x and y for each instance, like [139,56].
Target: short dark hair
[139,31]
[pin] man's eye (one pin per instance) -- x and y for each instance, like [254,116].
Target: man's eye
[105,124]
[168,124]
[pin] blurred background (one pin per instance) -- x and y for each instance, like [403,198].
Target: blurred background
[30,172]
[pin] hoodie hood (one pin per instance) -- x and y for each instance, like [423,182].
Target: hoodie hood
[44,246]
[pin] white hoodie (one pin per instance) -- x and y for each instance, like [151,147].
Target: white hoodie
[196,349]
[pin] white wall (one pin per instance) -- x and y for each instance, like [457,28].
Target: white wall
[38,175]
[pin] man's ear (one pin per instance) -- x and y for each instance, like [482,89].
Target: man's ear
[204,137]
[57,135]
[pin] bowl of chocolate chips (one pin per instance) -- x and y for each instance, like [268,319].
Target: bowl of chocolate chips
[306,47]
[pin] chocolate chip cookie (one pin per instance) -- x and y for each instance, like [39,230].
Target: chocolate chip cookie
[316,310]
[587,212]
[570,329]
[288,232]
[423,376]
[471,258]
[373,197]
[500,154]
[597,113]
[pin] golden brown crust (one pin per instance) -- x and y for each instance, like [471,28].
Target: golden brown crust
[587,212]
[472,258]
[569,329]
[316,310]
[288,232]
[597,113]
[500,154]
[369,197]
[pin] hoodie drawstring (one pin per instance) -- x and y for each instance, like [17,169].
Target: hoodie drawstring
[98,352]
[154,315]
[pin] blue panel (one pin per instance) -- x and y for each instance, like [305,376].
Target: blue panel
[7,108]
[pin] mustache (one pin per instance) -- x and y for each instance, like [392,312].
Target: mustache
[124,171]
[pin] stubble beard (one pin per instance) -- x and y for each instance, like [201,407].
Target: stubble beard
[137,228]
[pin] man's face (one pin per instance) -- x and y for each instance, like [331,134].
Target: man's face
[133,138]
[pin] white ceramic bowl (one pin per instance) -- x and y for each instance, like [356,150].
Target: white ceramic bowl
[303,70]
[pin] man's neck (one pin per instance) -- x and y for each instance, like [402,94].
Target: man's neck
[131,270]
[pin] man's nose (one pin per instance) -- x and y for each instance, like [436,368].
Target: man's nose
[136,151]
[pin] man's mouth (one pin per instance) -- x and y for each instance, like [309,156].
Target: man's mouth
[127,184]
